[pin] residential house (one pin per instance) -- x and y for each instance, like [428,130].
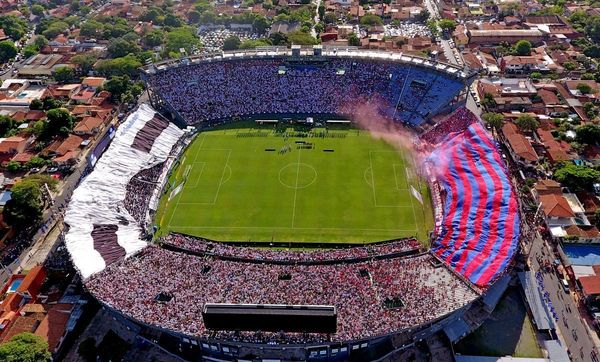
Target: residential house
[88,126]
[511,36]
[10,146]
[555,151]
[519,146]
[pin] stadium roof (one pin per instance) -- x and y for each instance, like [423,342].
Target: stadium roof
[333,52]
[541,316]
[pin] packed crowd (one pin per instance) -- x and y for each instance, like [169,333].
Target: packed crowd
[139,191]
[458,121]
[200,245]
[358,290]
[235,88]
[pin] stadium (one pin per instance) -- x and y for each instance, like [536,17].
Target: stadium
[297,204]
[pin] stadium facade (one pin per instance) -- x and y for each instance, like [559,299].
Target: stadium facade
[162,291]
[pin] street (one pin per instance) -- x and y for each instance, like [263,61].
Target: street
[581,342]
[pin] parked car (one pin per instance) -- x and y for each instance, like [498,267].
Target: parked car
[565,286]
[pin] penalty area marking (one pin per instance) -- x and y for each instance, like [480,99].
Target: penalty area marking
[373,182]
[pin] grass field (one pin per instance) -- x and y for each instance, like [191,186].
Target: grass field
[227,187]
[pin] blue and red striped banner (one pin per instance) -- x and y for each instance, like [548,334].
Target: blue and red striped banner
[480,228]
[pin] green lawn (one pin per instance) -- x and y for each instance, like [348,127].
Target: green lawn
[234,190]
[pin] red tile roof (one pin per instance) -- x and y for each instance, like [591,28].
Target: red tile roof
[88,124]
[585,231]
[519,144]
[70,144]
[33,281]
[590,284]
[548,187]
[53,327]
[28,323]
[556,206]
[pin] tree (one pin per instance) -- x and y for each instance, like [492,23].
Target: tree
[253,43]
[127,65]
[301,38]
[523,47]
[58,122]
[24,208]
[63,74]
[117,86]
[172,21]
[6,125]
[153,38]
[84,62]
[494,120]
[37,9]
[120,47]
[527,123]
[193,16]
[329,18]
[36,105]
[447,25]
[182,38]
[231,43]
[38,128]
[370,20]
[588,134]
[592,51]
[488,100]
[13,26]
[40,41]
[590,110]
[592,29]
[35,162]
[30,50]
[577,177]
[8,50]
[92,28]
[570,66]
[260,24]
[584,88]
[535,75]
[25,347]
[13,166]
[353,40]
[153,14]
[51,103]
[54,29]
[424,15]
[278,38]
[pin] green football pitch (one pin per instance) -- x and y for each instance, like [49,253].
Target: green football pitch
[260,184]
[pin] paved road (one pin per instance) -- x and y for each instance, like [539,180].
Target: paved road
[572,329]
[47,236]
[316,18]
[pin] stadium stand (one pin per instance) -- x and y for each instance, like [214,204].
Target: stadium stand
[392,288]
[480,227]
[359,291]
[101,230]
[211,248]
[245,87]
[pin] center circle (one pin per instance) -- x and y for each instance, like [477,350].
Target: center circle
[297,175]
